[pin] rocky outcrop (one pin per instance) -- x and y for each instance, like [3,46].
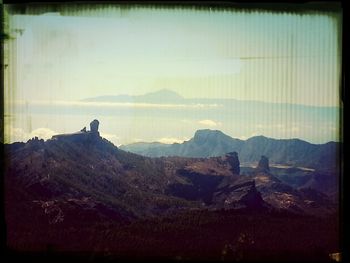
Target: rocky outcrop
[81,135]
[238,195]
[263,165]
[232,159]
[35,143]
[94,126]
[252,197]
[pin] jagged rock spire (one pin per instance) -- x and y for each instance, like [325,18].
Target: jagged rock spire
[263,164]
[232,159]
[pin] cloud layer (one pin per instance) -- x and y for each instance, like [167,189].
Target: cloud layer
[111,137]
[171,140]
[19,135]
[209,123]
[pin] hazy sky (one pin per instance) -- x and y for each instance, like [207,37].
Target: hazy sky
[263,56]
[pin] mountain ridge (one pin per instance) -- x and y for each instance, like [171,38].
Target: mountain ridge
[169,94]
[44,166]
[209,143]
[160,96]
[79,192]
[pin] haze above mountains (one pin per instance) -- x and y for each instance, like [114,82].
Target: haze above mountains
[180,117]
[131,119]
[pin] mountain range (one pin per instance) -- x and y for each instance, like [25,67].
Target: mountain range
[160,96]
[60,191]
[209,143]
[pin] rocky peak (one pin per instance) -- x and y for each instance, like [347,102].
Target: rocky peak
[239,195]
[94,126]
[35,140]
[35,143]
[252,198]
[207,135]
[81,135]
[232,159]
[263,164]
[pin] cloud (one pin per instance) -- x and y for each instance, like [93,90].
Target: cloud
[13,134]
[111,137]
[42,133]
[244,137]
[209,123]
[171,140]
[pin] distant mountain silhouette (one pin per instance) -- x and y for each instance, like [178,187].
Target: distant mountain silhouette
[209,143]
[159,97]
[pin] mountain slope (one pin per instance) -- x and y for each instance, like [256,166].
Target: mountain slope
[130,185]
[79,192]
[64,169]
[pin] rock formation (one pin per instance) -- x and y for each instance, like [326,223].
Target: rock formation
[94,126]
[263,164]
[238,196]
[232,159]
[252,198]
[83,134]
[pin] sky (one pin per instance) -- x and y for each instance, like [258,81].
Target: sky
[57,59]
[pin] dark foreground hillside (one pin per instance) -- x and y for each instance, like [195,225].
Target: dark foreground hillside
[189,235]
[79,196]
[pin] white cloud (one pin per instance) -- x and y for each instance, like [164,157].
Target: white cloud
[13,134]
[243,137]
[209,123]
[42,133]
[171,140]
[111,137]
[134,140]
